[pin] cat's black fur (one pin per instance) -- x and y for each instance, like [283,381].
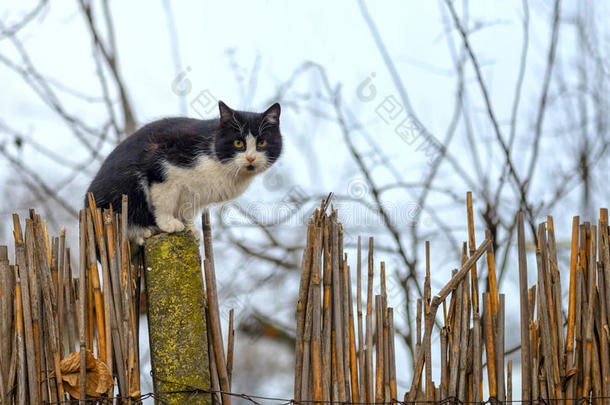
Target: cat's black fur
[140,161]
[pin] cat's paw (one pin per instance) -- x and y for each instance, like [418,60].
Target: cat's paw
[170,224]
[194,231]
[138,234]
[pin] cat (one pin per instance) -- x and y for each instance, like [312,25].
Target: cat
[172,168]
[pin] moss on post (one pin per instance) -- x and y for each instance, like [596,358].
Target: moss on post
[176,318]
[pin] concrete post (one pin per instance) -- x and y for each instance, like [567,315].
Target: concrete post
[176,318]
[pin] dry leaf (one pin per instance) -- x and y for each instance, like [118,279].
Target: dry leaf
[98,381]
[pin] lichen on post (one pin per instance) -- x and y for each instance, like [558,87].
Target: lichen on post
[176,318]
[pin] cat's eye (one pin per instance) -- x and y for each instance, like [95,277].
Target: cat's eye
[238,143]
[262,144]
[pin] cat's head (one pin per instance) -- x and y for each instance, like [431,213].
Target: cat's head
[249,142]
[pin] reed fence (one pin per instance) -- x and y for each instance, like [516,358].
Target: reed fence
[348,355]
[61,336]
[62,339]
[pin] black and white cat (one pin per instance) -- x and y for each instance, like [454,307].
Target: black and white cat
[172,168]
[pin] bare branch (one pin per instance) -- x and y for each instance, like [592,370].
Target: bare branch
[12,30]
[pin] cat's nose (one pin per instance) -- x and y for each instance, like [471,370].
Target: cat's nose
[250,159]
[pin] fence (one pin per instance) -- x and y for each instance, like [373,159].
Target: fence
[62,339]
[345,358]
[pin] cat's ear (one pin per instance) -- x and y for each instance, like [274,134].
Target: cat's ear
[272,114]
[226,113]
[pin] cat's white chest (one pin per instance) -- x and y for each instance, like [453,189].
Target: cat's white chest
[211,180]
[187,190]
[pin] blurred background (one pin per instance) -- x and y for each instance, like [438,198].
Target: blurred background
[397,107]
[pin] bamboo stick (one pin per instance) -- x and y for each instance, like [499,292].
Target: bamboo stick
[90,316]
[471,248]
[118,333]
[214,383]
[596,371]
[60,290]
[557,296]
[603,298]
[386,353]
[369,328]
[549,259]
[12,369]
[477,374]
[7,287]
[337,310]
[427,315]
[47,387]
[95,283]
[509,381]
[353,359]
[464,335]
[107,295]
[392,356]
[443,386]
[71,320]
[345,327]
[35,290]
[589,315]
[32,373]
[82,317]
[344,313]
[490,351]
[456,328]
[605,259]
[230,345]
[315,288]
[526,388]
[3,395]
[301,306]
[544,309]
[20,348]
[500,329]
[379,389]
[217,342]
[469,384]
[53,266]
[418,323]
[601,328]
[361,344]
[569,345]
[100,241]
[306,385]
[327,313]
[130,312]
[599,360]
[580,308]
